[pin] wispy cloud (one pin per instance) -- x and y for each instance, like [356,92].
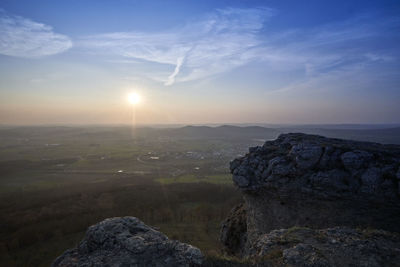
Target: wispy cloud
[171,78]
[217,43]
[22,37]
[232,37]
[342,54]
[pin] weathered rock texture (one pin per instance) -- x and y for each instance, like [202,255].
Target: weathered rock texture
[339,246]
[128,242]
[317,182]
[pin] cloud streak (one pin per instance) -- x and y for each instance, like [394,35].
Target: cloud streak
[171,78]
[217,43]
[232,37]
[22,37]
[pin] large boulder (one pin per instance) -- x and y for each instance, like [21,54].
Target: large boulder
[317,182]
[128,242]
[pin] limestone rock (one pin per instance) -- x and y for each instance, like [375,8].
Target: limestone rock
[127,241]
[306,155]
[317,182]
[339,246]
[298,156]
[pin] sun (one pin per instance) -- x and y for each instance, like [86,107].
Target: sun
[134,98]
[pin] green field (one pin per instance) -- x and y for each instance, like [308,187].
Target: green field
[57,181]
[213,179]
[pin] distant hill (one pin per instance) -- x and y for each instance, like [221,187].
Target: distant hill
[221,132]
[228,132]
[381,135]
[385,135]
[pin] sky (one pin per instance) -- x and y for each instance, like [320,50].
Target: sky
[199,62]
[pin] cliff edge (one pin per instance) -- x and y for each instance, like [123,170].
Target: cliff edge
[310,181]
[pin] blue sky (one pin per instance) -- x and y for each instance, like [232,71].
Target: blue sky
[200,61]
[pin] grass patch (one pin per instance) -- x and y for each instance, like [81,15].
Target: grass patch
[213,179]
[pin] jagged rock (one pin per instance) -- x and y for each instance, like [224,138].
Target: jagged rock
[127,241]
[317,182]
[339,246]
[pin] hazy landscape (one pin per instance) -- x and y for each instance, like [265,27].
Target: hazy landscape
[58,180]
[199,133]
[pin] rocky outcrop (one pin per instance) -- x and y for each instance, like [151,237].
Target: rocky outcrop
[339,246]
[316,182]
[128,242]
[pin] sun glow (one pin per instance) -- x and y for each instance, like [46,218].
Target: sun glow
[134,98]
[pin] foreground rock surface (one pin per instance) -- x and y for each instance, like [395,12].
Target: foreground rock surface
[339,246]
[317,182]
[128,242]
